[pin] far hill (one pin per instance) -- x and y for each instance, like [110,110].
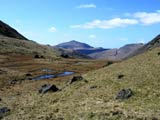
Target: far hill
[116,54]
[8,31]
[149,46]
[74,45]
[82,48]
[13,43]
[15,46]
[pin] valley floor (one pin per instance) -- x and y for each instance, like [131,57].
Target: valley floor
[16,73]
[92,98]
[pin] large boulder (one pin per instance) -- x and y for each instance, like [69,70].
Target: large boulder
[46,88]
[124,94]
[76,78]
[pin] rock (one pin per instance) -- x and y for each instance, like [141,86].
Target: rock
[0,99]
[28,74]
[39,56]
[36,56]
[13,82]
[64,55]
[4,111]
[42,56]
[116,112]
[93,87]
[108,63]
[124,94]
[158,53]
[46,88]
[76,78]
[120,76]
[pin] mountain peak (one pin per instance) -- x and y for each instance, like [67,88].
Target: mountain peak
[73,41]
[73,44]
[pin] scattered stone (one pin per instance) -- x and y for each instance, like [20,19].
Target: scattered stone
[120,76]
[46,88]
[4,111]
[13,82]
[28,74]
[64,55]
[124,94]
[116,112]
[76,78]
[93,87]
[42,56]
[39,56]
[36,56]
[108,63]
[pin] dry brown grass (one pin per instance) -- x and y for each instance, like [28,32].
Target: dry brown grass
[79,102]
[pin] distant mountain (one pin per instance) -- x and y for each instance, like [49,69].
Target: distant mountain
[74,45]
[149,46]
[116,54]
[81,48]
[88,51]
[6,30]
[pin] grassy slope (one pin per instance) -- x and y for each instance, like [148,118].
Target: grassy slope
[15,46]
[79,102]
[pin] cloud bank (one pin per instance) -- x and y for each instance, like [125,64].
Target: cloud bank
[87,6]
[141,18]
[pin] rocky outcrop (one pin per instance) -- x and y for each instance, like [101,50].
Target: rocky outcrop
[46,88]
[124,94]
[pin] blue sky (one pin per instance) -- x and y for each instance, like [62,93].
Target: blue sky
[100,23]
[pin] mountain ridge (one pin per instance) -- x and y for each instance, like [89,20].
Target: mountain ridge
[100,53]
[117,54]
[8,31]
[155,42]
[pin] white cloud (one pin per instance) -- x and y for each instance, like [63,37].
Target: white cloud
[144,18]
[92,36]
[148,18]
[141,41]
[158,11]
[52,29]
[106,24]
[87,6]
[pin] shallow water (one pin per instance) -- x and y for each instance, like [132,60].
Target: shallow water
[48,76]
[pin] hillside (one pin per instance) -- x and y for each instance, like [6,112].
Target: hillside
[93,98]
[116,54]
[13,43]
[12,46]
[8,31]
[149,46]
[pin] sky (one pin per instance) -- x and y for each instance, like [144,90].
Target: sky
[100,23]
